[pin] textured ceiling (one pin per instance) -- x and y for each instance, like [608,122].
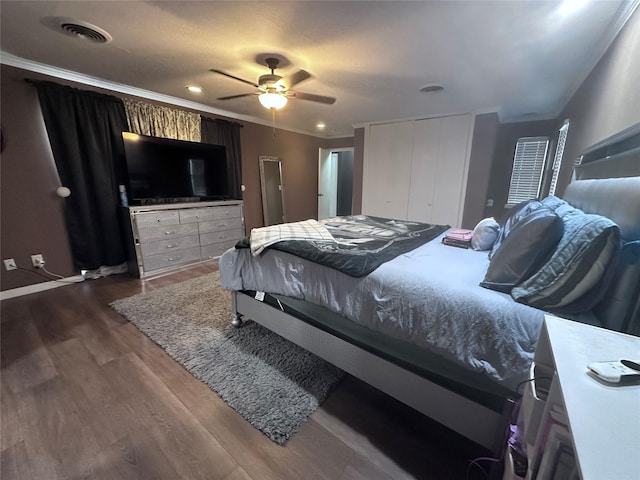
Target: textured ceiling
[522,59]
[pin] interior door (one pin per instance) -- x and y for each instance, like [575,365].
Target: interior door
[327,181]
[272,191]
[335,182]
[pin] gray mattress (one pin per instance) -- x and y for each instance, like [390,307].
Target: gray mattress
[429,297]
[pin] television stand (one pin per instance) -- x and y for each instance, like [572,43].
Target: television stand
[165,237]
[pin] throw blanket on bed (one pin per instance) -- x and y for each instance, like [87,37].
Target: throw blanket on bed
[362,243]
[311,230]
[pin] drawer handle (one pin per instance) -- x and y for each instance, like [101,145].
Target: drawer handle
[171,246]
[227,213]
[158,220]
[197,216]
[170,232]
[173,259]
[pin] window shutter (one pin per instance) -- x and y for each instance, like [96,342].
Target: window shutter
[528,165]
[557,161]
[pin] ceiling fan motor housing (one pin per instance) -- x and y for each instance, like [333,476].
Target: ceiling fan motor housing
[269,80]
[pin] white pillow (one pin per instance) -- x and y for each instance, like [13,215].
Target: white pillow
[485,234]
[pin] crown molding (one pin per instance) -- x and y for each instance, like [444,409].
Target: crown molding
[51,71]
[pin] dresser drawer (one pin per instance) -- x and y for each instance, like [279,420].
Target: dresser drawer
[197,214]
[152,219]
[216,249]
[230,211]
[166,232]
[170,245]
[164,260]
[224,224]
[223,236]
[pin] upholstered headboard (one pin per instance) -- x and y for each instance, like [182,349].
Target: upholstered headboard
[608,184]
[615,198]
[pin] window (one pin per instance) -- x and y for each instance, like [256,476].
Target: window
[557,160]
[528,165]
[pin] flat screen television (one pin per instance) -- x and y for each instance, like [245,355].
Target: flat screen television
[163,170]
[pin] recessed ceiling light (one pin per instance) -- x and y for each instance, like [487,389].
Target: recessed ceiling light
[194,89]
[432,88]
[320,125]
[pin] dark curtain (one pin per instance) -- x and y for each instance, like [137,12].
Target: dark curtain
[221,132]
[85,132]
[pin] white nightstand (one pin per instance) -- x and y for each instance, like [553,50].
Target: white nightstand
[602,420]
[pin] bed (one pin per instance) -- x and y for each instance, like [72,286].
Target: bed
[420,327]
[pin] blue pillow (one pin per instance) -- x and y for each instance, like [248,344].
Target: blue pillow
[578,263]
[622,293]
[524,250]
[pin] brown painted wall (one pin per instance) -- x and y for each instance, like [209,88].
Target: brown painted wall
[500,177]
[607,102]
[358,170]
[482,155]
[33,216]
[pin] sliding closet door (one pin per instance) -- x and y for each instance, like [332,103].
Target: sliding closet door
[439,170]
[387,170]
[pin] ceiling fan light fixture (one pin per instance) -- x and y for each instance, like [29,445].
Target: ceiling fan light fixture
[272,100]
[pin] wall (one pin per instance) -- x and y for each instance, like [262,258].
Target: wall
[506,138]
[299,156]
[608,101]
[31,213]
[358,170]
[482,154]
[33,216]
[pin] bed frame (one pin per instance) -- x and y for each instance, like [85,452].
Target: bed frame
[617,198]
[476,422]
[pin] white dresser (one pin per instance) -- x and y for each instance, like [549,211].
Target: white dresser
[165,237]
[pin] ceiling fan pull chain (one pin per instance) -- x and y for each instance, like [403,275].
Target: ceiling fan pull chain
[273,123]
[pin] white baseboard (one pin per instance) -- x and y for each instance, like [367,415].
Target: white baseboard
[40,287]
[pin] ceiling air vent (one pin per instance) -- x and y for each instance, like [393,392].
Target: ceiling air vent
[84,30]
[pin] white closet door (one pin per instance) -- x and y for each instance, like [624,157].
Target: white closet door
[387,170]
[439,170]
[424,169]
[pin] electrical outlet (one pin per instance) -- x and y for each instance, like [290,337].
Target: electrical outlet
[10,264]
[37,260]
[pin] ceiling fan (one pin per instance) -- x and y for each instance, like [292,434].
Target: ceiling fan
[274,90]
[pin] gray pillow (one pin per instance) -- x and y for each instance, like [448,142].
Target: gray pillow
[524,250]
[577,264]
[485,234]
[515,214]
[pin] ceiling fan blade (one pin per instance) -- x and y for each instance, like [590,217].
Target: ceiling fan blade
[236,96]
[253,84]
[296,78]
[312,97]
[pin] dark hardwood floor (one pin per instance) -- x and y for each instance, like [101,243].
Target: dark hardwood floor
[84,394]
